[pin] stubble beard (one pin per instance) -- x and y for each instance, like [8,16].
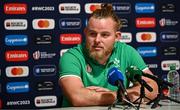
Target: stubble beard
[98,55]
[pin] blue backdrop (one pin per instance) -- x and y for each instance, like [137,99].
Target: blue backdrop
[35,33]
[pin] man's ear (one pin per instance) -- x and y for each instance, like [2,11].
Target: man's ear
[118,35]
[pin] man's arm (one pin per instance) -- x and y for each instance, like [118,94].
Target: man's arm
[134,92]
[79,95]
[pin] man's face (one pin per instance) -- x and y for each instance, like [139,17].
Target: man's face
[100,37]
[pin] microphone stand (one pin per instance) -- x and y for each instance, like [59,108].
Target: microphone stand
[120,99]
[161,83]
[142,94]
[160,95]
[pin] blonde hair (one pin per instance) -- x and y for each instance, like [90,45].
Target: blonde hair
[105,11]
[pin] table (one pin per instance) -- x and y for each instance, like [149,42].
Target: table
[166,105]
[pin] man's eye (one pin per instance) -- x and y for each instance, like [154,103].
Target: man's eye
[105,35]
[92,34]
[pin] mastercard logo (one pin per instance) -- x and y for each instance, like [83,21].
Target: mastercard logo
[90,7]
[94,7]
[43,24]
[146,36]
[17,71]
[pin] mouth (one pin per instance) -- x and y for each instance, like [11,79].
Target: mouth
[97,48]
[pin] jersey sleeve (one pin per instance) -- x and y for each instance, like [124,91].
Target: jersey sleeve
[135,58]
[69,65]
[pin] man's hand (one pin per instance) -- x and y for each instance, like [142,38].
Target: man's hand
[134,92]
[78,95]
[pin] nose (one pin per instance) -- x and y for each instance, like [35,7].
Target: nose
[98,38]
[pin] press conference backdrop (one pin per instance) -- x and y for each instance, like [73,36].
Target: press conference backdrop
[35,33]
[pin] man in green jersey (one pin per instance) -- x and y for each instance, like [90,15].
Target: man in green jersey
[84,69]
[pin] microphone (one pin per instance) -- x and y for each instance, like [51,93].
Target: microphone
[134,74]
[116,78]
[134,70]
[158,80]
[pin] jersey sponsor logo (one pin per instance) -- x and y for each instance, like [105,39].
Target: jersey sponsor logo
[43,55]
[17,71]
[15,24]
[45,86]
[165,65]
[167,22]
[170,51]
[90,7]
[18,102]
[168,8]
[16,55]
[63,51]
[43,24]
[145,7]
[43,39]
[122,8]
[145,22]
[169,36]
[17,87]
[70,23]
[70,38]
[126,37]
[15,8]
[44,70]
[147,51]
[16,40]
[45,101]
[43,8]
[146,37]
[69,8]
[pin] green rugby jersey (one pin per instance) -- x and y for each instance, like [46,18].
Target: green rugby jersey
[75,62]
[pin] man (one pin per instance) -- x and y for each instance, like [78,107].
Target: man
[83,69]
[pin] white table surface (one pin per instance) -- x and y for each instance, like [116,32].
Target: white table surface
[166,105]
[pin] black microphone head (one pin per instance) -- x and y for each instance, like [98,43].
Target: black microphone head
[132,72]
